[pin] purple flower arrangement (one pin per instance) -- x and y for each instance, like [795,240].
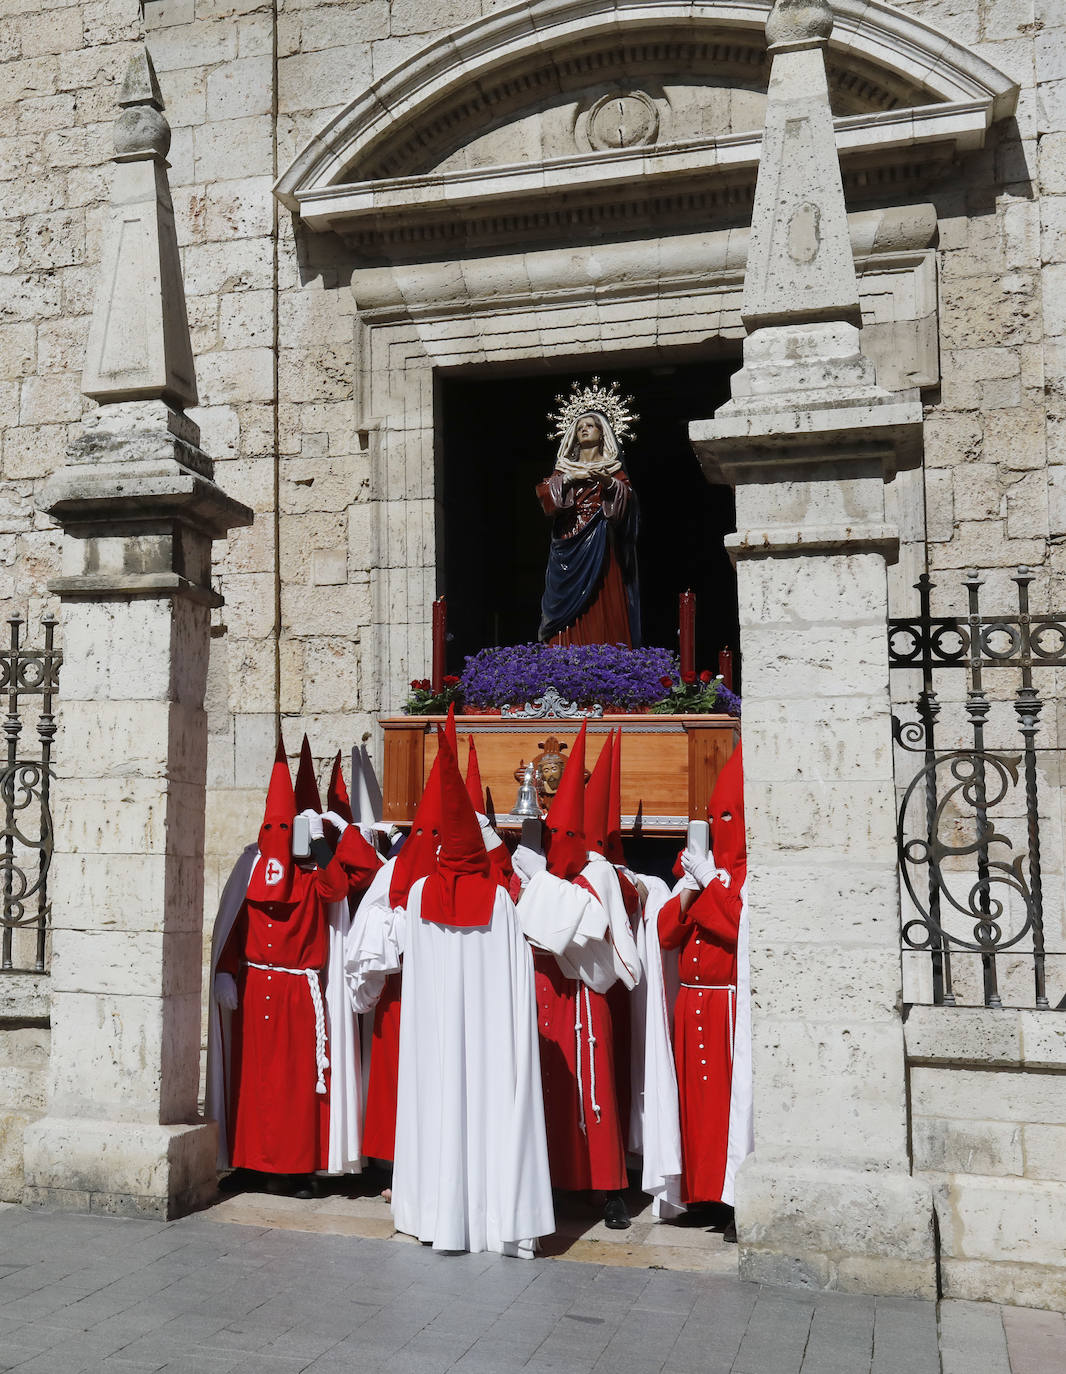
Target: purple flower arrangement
[728,703]
[618,678]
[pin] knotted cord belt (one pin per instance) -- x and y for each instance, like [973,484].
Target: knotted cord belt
[315,988]
[581,988]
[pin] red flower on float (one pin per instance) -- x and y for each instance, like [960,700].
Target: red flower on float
[666,681]
[688,677]
[450,681]
[705,676]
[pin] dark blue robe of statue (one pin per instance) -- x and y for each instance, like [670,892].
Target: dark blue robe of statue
[592,530]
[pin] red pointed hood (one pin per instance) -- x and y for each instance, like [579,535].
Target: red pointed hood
[726,813]
[337,798]
[449,730]
[460,892]
[565,821]
[474,789]
[308,797]
[598,800]
[615,852]
[272,877]
[418,857]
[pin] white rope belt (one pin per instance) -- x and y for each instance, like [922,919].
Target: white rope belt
[731,988]
[315,988]
[581,988]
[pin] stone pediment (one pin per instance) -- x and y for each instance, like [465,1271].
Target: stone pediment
[621,112]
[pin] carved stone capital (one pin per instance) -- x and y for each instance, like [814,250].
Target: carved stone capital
[139,507]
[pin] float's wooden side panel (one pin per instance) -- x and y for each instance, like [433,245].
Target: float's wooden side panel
[708,749]
[669,763]
[404,775]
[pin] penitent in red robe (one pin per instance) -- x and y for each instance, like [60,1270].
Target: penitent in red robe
[577,1064]
[279,1122]
[704,1021]
[379,1125]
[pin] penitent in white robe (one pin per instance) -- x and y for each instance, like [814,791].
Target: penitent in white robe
[471,1165]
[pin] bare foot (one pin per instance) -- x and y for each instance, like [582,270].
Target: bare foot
[386,1193]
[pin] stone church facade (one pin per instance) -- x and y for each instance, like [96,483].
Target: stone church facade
[373,198]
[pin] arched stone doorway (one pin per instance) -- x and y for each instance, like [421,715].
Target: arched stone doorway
[629,246]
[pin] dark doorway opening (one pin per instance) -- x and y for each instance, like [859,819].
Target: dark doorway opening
[494,447]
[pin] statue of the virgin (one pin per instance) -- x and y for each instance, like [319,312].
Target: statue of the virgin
[590,584]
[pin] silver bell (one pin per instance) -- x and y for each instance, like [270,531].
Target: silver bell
[526,805]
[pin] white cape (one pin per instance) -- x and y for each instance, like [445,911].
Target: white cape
[367,951]
[550,911]
[471,1167]
[364,964]
[741,1139]
[345,1118]
[654,1118]
[345,1072]
[621,948]
[219,1019]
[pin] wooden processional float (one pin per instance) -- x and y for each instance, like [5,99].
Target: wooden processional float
[669,763]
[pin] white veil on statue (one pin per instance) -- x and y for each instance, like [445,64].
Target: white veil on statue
[606,466]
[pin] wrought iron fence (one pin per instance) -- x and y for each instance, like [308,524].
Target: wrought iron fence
[30,679]
[969,832]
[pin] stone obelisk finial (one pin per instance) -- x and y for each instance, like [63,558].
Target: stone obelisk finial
[139,509]
[798,21]
[139,347]
[800,264]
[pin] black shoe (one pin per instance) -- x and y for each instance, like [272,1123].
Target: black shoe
[697,1214]
[729,1235]
[306,1187]
[616,1214]
[238,1181]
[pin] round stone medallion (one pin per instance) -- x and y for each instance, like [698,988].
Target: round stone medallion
[623,119]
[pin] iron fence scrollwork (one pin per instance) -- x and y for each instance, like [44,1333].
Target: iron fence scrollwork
[973,887]
[27,674]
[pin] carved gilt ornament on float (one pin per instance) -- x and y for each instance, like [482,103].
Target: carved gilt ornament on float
[623,109]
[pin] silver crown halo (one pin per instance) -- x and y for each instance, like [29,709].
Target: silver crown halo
[608,400]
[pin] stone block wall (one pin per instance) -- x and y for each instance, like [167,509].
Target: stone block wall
[297,426]
[991,458]
[988,1129]
[285,409]
[992,479]
[25,1038]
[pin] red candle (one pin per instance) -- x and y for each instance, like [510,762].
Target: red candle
[725,667]
[687,613]
[440,636]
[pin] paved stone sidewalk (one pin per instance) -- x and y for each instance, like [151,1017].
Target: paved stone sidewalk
[87,1294]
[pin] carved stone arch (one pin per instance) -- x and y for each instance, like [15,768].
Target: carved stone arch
[416,150]
[636,251]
